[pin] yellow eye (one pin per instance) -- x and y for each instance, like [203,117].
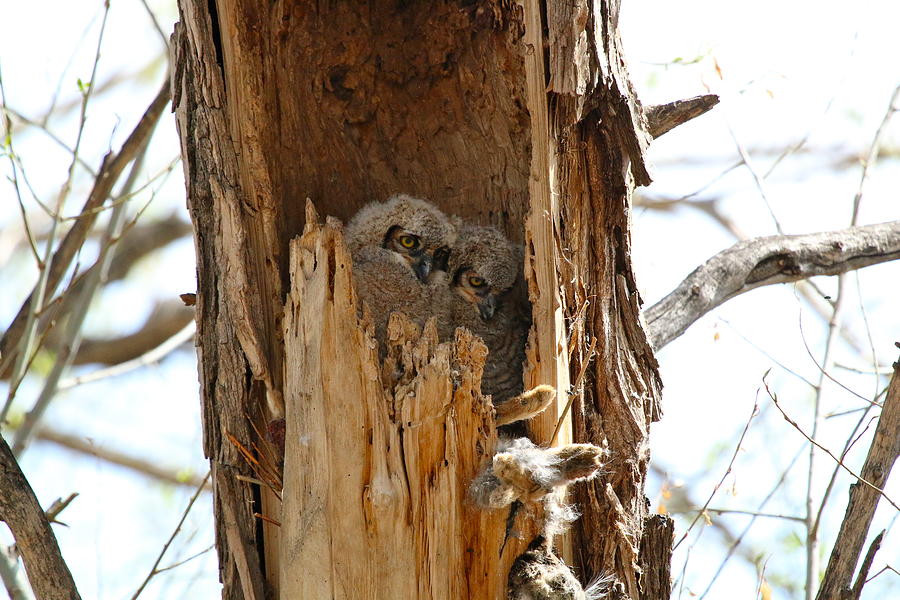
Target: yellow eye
[409,241]
[476,281]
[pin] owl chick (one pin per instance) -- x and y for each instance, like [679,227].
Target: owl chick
[392,244]
[538,574]
[482,269]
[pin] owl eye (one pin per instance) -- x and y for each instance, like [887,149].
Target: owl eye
[476,282]
[409,241]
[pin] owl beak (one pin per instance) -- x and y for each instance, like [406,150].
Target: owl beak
[422,267]
[486,307]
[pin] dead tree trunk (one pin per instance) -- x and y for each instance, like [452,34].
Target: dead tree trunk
[518,115]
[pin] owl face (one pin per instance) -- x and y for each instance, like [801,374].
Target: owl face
[409,227]
[411,249]
[476,290]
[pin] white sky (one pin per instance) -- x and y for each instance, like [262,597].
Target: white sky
[788,70]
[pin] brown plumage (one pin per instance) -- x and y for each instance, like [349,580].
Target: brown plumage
[482,270]
[538,574]
[392,245]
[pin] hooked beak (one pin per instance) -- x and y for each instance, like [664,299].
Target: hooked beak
[422,267]
[486,307]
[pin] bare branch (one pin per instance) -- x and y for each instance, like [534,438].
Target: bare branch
[764,261]
[864,498]
[154,570]
[81,445]
[112,167]
[799,429]
[662,118]
[19,508]
[866,565]
[166,321]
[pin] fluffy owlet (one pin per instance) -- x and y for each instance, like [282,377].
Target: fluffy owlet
[392,244]
[482,270]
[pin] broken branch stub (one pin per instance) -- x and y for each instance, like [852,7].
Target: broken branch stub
[379,456]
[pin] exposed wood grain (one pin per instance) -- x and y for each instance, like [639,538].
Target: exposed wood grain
[48,573]
[765,261]
[885,448]
[376,478]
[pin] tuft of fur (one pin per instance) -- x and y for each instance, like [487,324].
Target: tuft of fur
[525,406]
[522,471]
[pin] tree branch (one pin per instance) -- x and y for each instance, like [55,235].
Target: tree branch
[763,261]
[112,167]
[81,445]
[167,319]
[863,499]
[19,508]
[665,117]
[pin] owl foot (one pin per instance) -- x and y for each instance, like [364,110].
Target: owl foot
[524,406]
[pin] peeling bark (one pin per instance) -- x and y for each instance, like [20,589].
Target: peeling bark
[515,115]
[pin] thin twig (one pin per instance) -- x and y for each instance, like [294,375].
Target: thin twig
[571,398]
[737,449]
[148,358]
[823,372]
[872,156]
[55,138]
[186,560]
[828,452]
[737,542]
[811,522]
[112,168]
[154,569]
[156,26]
[758,179]
[753,513]
[58,506]
[79,312]
[36,302]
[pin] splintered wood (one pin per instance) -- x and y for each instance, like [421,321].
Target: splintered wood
[379,458]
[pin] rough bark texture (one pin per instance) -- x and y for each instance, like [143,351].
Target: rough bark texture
[48,573]
[520,116]
[885,448]
[764,261]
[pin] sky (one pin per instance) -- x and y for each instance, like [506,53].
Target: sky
[785,71]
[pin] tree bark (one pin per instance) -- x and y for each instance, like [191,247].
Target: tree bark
[48,573]
[515,115]
[885,448]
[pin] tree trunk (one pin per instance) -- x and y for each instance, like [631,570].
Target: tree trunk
[518,115]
